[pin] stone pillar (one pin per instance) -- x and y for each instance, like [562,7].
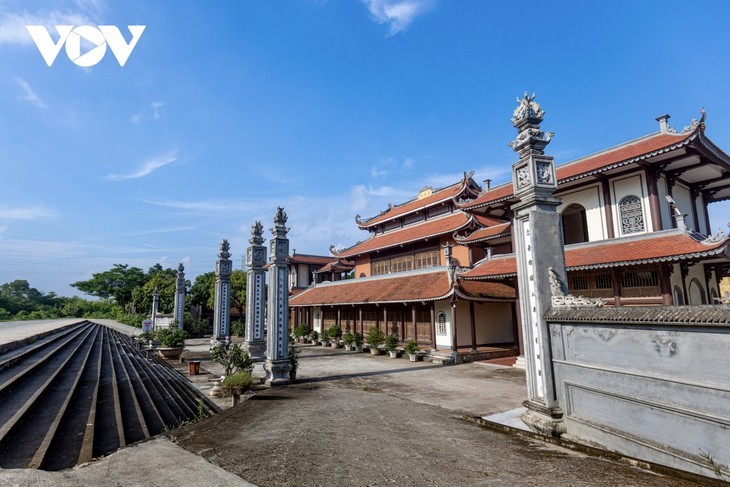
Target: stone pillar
[277,364]
[255,300]
[539,239]
[222,310]
[155,307]
[179,312]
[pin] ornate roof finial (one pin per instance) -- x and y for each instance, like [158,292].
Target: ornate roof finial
[257,231]
[280,217]
[224,251]
[180,268]
[526,119]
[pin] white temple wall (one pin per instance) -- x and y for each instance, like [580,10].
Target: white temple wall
[317,321]
[493,322]
[683,200]
[664,208]
[696,287]
[630,185]
[590,199]
[443,340]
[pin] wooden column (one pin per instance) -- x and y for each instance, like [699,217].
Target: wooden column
[415,325]
[377,319]
[654,209]
[607,207]
[708,274]
[454,342]
[339,322]
[670,185]
[385,320]
[472,322]
[616,278]
[433,326]
[403,324]
[362,326]
[707,214]
[683,271]
[665,285]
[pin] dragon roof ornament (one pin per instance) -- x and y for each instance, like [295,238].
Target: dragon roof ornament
[694,123]
[562,300]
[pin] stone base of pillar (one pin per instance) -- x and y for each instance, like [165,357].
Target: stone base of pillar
[220,341]
[520,363]
[256,350]
[543,420]
[277,372]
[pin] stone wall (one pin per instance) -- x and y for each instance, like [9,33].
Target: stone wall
[651,383]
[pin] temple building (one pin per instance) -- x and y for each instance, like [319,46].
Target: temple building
[440,268]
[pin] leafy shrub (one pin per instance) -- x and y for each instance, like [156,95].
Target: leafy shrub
[171,337]
[335,332]
[233,358]
[238,328]
[301,330]
[375,336]
[391,343]
[314,336]
[357,339]
[412,347]
[348,338]
[239,380]
[293,354]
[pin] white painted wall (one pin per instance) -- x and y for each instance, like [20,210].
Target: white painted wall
[664,204]
[590,199]
[494,322]
[683,199]
[317,321]
[630,185]
[443,341]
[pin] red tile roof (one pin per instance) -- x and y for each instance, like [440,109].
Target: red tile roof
[486,289]
[480,234]
[667,246]
[392,288]
[309,259]
[419,231]
[614,157]
[438,196]
[339,265]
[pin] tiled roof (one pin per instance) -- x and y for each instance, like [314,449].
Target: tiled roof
[666,246]
[438,196]
[495,268]
[486,289]
[338,265]
[481,234]
[614,157]
[672,245]
[391,288]
[309,259]
[419,231]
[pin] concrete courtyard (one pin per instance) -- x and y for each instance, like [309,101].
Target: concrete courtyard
[357,419]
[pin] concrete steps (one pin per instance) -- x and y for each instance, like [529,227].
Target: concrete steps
[84,392]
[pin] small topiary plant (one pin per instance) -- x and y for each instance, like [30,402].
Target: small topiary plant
[335,332]
[391,343]
[357,339]
[233,358]
[375,336]
[301,331]
[240,380]
[348,338]
[412,347]
[314,336]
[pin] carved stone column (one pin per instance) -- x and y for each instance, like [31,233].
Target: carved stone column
[155,307]
[222,310]
[179,312]
[277,364]
[256,284]
[539,246]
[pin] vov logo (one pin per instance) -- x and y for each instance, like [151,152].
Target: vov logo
[99,37]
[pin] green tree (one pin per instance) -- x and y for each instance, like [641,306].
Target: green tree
[164,281]
[118,283]
[202,290]
[238,292]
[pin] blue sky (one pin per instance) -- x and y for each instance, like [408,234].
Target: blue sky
[226,109]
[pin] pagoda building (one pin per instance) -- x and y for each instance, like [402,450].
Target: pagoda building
[440,268]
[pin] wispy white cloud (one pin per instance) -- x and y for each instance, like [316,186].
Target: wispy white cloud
[30,95]
[397,14]
[157,231]
[36,212]
[12,25]
[145,169]
[153,113]
[391,165]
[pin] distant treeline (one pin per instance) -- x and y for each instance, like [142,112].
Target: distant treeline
[125,294]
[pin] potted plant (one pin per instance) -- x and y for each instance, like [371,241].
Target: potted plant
[375,338]
[293,359]
[335,332]
[357,341]
[233,358]
[237,383]
[391,345]
[300,332]
[314,336]
[412,349]
[172,341]
[349,339]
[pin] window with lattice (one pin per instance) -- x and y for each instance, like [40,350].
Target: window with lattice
[380,267]
[427,259]
[400,264]
[441,323]
[631,214]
